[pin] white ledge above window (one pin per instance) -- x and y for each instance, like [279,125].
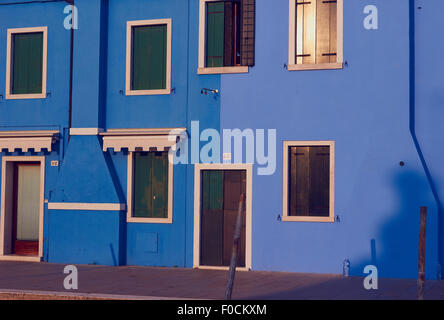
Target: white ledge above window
[27,140]
[142,139]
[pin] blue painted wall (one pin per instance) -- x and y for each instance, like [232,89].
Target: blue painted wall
[37,113]
[366,108]
[429,99]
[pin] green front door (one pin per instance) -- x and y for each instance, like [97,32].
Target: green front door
[220,194]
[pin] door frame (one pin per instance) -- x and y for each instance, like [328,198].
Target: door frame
[248,208]
[6,206]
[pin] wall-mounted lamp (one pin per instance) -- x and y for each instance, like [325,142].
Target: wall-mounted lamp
[205,91]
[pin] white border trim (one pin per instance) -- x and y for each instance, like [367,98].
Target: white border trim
[248,229]
[8,256]
[85,131]
[86,206]
[129,25]
[292,66]
[201,58]
[129,195]
[285,216]
[10,32]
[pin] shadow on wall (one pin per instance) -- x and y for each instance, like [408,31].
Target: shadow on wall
[394,250]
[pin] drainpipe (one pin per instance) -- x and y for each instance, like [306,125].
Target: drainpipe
[71,62]
[412,127]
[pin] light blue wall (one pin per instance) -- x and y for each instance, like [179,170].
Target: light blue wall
[429,97]
[364,108]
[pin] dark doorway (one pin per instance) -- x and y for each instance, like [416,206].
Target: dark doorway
[220,194]
[26,209]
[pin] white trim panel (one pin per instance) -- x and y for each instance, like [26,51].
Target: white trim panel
[85,131]
[86,206]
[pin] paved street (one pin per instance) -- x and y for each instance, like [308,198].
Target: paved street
[171,283]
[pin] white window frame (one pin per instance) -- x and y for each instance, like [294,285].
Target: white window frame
[5,209]
[292,66]
[285,216]
[10,33]
[129,41]
[129,197]
[202,45]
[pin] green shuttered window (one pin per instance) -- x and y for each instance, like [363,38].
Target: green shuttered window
[149,57]
[229,33]
[150,185]
[27,63]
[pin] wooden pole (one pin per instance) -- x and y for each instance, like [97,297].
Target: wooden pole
[234,253]
[421,258]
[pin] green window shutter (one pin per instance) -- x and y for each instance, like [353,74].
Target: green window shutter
[247,42]
[27,63]
[150,194]
[142,187]
[149,57]
[213,193]
[160,185]
[215,34]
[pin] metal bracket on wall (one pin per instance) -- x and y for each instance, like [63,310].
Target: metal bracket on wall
[205,91]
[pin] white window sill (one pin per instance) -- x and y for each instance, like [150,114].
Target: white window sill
[318,66]
[150,220]
[147,92]
[25,96]
[308,219]
[13,257]
[223,70]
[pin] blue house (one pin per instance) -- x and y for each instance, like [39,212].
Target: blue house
[130,130]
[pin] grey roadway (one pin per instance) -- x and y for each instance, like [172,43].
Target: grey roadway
[204,284]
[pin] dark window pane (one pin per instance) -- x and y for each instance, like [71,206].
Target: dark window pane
[27,63]
[149,57]
[150,195]
[309,181]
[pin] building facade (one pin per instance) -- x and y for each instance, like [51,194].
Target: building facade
[129,130]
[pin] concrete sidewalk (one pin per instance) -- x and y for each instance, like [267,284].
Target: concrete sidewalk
[170,283]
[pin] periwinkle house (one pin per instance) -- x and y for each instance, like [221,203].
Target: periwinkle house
[96,97]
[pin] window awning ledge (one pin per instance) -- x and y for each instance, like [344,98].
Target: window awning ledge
[142,139]
[27,140]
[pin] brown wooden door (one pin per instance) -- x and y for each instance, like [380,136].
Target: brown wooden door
[25,230]
[221,190]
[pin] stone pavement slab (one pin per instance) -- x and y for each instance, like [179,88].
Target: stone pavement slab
[174,283]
